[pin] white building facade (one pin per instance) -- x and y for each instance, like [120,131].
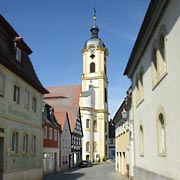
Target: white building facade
[154,71]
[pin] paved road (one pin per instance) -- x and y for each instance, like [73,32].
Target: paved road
[97,172]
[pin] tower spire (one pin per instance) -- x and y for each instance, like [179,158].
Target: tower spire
[94,17]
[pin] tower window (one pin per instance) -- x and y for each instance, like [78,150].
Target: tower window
[105,69]
[87,123]
[92,67]
[105,95]
[92,56]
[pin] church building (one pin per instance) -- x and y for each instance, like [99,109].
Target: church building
[94,98]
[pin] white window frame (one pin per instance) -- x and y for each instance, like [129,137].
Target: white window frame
[14,142]
[50,133]
[25,143]
[18,54]
[16,95]
[34,103]
[26,99]
[33,144]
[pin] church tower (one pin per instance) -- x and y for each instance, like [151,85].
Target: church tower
[94,98]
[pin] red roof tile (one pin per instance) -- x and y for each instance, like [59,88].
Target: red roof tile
[64,99]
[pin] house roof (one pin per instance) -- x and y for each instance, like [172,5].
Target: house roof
[151,19]
[64,99]
[23,69]
[61,117]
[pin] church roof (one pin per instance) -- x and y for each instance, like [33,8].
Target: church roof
[94,42]
[64,99]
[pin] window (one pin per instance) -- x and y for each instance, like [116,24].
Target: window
[18,54]
[33,144]
[105,95]
[105,126]
[25,143]
[159,69]
[137,90]
[139,87]
[161,56]
[161,135]
[105,70]
[94,146]
[26,99]
[16,94]
[2,81]
[45,132]
[92,67]
[50,133]
[87,147]
[14,145]
[87,123]
[92,56]
[55,134]
[95,125]
[34,104]
[141,139]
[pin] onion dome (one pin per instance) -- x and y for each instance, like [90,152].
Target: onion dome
[94,40]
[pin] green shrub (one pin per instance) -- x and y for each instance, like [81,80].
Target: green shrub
[104,158]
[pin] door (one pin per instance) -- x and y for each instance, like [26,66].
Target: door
[1,157]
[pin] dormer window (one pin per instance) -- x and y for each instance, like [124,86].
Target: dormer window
[18,54]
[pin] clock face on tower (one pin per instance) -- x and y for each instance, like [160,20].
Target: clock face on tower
[92,50]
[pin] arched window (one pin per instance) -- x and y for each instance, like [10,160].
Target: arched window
[161,135]
[92,67]
[87,147]
[159,69]
[141,139]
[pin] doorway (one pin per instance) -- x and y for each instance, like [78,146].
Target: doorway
[1,157]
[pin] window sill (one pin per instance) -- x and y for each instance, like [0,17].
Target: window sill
[162,154]
[139,101]
[159,79]
[14,153]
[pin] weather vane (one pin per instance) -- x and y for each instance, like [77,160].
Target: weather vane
[94,17]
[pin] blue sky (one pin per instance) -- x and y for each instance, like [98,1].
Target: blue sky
[56,31]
